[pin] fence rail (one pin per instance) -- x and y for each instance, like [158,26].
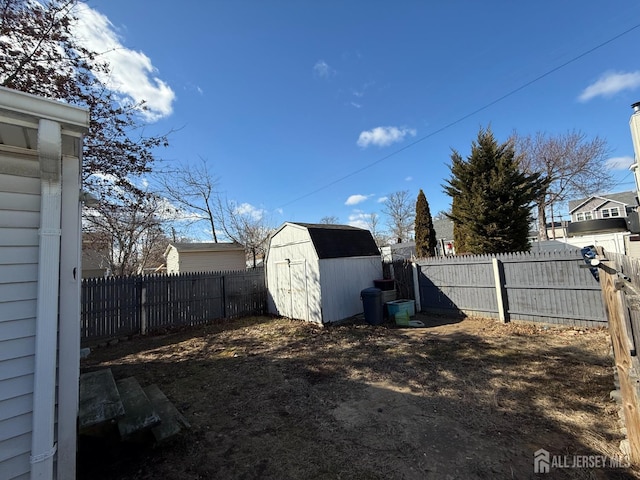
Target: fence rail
[118,306]
[546,287]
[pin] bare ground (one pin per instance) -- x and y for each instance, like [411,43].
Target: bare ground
[280,399]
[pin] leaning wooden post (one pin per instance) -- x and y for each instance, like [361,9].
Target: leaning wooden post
[143,310]
[501,294]
[416,286]
[627,365]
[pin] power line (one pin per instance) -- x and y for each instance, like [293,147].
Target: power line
[464,117]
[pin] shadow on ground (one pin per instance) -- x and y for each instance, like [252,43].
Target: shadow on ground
[283,399]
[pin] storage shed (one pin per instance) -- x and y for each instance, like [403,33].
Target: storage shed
[316,272]
[205,257]
[40,159]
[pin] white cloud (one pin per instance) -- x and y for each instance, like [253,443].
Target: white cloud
[249,210]
[323,70]
[384,136]
[611,83]
[356,199]
[619,163]
[408,179]
[132,75]
[382,199]
[360,219]
[356,105]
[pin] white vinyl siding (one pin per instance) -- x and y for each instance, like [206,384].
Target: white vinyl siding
[19,223]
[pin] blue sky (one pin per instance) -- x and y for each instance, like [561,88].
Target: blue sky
[310,109]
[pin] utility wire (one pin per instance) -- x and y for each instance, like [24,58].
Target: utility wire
[464,117]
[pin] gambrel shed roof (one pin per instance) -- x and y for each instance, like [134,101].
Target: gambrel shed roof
[340,241]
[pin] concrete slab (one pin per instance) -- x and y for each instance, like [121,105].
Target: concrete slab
[99,400]
[140,414]
[172,420]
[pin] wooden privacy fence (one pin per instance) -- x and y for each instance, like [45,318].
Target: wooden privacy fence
[117,306]
[620,278]
[548,287]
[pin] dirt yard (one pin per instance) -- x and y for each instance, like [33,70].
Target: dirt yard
[279,399]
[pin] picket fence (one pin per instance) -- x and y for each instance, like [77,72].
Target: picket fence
[546,287]
[113,307]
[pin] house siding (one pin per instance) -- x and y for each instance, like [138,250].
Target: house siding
[595,207]
[19,223]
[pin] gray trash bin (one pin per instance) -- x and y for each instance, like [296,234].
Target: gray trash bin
[372,303]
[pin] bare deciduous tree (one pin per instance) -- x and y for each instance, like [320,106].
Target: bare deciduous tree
[131,230]
[39,54]
[400,210]
[330,220]
[193,189]
[373,223]
[573,164]
[245,225]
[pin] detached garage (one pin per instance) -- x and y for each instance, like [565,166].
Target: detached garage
[315,272]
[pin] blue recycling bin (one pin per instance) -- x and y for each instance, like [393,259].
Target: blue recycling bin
[372,304]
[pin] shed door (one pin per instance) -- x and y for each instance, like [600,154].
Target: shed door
[292,289]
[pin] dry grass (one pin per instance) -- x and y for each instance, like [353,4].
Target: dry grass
[280,399]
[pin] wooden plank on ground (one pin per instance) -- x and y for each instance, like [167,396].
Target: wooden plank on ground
[99,399]
[171,419]
[139,413]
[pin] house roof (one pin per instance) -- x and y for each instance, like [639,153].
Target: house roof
[625,198]
[443,228]
[340,241]
[206,247]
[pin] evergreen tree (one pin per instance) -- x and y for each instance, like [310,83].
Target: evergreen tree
[425,234]
[492,198]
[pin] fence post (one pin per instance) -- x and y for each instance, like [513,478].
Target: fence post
[501,294]
[416,286]
[143,310]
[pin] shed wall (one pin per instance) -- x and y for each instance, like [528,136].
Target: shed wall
[294,244]
[342,280]
[190,262]
[19,223]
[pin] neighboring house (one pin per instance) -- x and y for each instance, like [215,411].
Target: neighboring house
[597,207]
[444,236]
[95,256]
[407,250]
[398,251]
[315,272]
[601,213]
[40,161]
[204,257]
